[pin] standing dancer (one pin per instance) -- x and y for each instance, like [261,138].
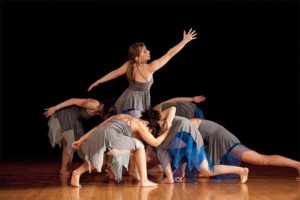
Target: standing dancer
[136,98]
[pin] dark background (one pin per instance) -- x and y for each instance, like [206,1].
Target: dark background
[245,61]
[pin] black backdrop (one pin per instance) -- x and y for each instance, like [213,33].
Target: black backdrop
[245,61]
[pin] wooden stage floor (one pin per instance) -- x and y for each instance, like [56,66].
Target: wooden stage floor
[38,179]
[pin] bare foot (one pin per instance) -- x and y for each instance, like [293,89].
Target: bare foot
[244,175]
[167,180]
[148,183]
[110,174]
[199,175]
[179,179]
[75,179]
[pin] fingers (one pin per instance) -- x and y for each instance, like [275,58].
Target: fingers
[191,33]
[90,88]
[46,113]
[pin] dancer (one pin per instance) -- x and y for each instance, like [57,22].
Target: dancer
[225,148]
[184,149]
[136,98]
[116,136]
[65,123]
[185,107]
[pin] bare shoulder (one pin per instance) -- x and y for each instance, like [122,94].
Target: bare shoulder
[123,117]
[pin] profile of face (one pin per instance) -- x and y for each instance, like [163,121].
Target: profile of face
[144,55]
[138,53]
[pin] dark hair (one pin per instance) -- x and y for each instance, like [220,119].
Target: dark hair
[108,107]
[152,116]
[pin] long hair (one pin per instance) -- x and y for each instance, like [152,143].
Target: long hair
[152,116]
[108,107]
[134,51]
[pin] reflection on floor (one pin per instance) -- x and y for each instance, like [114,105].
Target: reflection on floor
[40,180]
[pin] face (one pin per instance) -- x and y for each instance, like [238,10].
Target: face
[144,56]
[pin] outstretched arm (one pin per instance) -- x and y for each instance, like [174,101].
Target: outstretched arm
[84,103]
[77,143]
[196,99]
[187,37]
[111,75]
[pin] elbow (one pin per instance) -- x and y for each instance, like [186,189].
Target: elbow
[155,144]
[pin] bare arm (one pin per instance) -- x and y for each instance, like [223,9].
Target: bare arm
[111,75]
[77,143]
[145,134]
[168,115]
[84,103]
[187,37]
[196,99]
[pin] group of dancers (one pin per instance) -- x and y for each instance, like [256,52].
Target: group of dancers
[185,144]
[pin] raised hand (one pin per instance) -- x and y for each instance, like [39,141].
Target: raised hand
[191,35]
[91,87]
[49,111]
[198,99]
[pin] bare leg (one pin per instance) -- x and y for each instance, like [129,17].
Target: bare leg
[108,168]
[65,161]
[140,157]
[224,169]
[133,171]
[152,161]
[77,173]
[255,158]
[169,175]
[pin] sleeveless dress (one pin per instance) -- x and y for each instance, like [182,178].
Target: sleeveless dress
[221,145]
[184,143]
[115,134]
[67,124]
[185,109]
[135,97]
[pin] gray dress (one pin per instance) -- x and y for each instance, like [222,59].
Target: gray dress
[183,109]
[115,134]
[67,124]
[184,143]
[222,146]
[135,97]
